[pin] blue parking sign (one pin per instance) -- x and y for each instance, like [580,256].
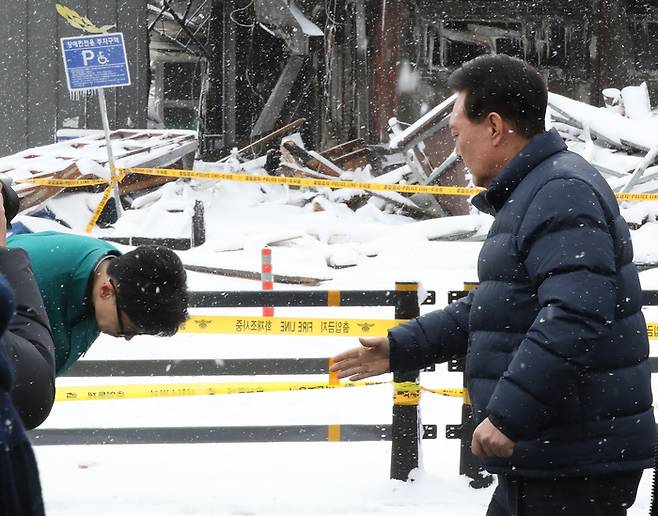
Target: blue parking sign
[97,61]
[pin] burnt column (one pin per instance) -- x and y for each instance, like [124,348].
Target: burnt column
[218,120]
[387,52]
[608,46]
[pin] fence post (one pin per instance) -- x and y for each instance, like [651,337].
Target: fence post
[405,445]
[198,225]
[267,277]
[469,464]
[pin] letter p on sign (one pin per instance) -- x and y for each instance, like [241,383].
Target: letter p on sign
[87,55]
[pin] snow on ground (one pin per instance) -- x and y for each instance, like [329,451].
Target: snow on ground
[292,479]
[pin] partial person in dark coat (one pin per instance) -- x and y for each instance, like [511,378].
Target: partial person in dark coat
[20,488]
[554,338]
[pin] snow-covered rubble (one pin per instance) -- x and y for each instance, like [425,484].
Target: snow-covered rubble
[354,224]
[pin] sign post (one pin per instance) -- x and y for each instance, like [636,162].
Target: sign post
[94,63]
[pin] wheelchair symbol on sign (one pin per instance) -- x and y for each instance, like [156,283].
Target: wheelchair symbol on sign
[88,55]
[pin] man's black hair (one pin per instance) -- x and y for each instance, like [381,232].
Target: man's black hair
[151,288]
[504,85]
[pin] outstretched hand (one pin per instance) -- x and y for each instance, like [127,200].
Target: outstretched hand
[371,358]
[488,441]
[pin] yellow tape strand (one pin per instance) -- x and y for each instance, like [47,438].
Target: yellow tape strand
[294,181]
[64,183]
[451,392]
[299,181]
[243,325]
[326,183]
[99,209]
[406,393]
[629,196]
[110,392]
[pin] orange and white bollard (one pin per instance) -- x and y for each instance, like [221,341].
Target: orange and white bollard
[266,277]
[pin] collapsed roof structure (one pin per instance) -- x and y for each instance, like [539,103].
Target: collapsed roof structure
[348,67]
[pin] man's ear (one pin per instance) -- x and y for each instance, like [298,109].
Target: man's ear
[497,128]
[106,290]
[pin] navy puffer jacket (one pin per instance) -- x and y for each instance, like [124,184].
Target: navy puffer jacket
[555,341]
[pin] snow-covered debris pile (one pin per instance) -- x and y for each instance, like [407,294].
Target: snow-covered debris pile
[621,139]
[357,222]
[87,157]
[349,161]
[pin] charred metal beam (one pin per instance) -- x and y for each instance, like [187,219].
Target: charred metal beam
[503,9]
[272,109]
[186,29]
[218,114]
[176,42]
[157,18]
[287,22]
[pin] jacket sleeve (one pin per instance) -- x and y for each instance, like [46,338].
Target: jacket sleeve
[435,337]
[568,252]
[30,320]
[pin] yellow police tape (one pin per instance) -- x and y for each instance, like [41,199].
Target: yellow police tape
[245,325]
[280,180]
[331,183]
[302,181]
[117,177]
[108,392]
[99,209]
[295,181]
[406,393]
[630,196]
[63,183]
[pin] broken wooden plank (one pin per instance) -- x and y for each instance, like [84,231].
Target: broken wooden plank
[639,171]
[283,131]
[301,171]
[150,148]
[407,206]
[35,195]
[444,167]
[137,182]
[306,159]
[335,152]
[359,158]
[324,162]
[253,275]
[424,127]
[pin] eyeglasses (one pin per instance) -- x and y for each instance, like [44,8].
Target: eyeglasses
[122,330]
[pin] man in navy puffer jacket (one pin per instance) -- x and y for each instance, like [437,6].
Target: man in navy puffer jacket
[555,341]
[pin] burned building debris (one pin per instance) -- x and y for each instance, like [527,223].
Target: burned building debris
[349,66]
[237,71]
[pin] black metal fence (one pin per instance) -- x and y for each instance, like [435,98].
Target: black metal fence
[405,432]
